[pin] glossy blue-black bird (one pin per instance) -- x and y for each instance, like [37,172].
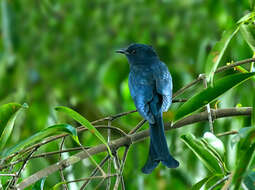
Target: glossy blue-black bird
[150,86]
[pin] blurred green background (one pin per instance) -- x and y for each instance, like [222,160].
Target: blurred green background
[62,53]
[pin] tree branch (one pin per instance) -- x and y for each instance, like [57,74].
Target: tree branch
[180,91]
[130,139]
[250,60]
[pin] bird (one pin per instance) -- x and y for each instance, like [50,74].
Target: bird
[150,86]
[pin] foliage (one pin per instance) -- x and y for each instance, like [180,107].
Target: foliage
[62,53]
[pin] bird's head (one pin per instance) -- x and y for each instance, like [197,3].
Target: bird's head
[137,53]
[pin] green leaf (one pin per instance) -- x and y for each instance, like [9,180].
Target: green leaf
[209,94]
[246,137]
[217,52]
[216,143]
[199,184]
[84,122]
[244,154]
[202,152]
[241,166]
[39,184]
[50,131]
[8,114]
[240,136]
[248,33]
[216,147]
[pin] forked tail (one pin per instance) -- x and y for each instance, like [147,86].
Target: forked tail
[158,147]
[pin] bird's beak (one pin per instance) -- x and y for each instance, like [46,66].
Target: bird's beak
[123,51]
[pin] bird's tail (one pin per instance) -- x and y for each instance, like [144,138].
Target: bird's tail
[158,147]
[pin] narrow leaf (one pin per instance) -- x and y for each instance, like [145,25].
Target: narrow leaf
[218,51]
[241,167]
[209,94]
[205,155]
[216,143]
[216,147]
[8,114]
[50,131]
[248,33]
[84,122]
[241,136]
[246,137]
[245,150]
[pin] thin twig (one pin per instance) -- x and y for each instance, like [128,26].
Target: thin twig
[108,185]
[122,166]
[46,154]
[137,127]
[15,178]
[50,139]
[226,133]
[90,178]
[97,165]
[75,148]
[183,89]
[61,169]
[235,64]
[116,185]
[67,150]
[124,158]
[10,175]
[120,176]
[94,172]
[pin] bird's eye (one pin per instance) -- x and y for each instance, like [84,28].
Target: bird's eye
[133,51]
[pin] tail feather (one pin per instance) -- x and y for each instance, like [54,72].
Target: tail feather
[152,161]
[158,146]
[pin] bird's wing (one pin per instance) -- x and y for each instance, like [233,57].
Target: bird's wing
[164,85]
[141,91]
